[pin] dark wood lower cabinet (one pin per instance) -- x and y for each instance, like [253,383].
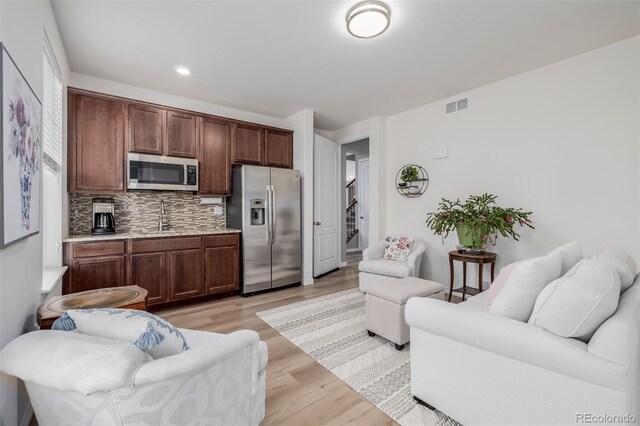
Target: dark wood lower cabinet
[186,273]
[170,269]
[93,273]
[149,271]
[221,269]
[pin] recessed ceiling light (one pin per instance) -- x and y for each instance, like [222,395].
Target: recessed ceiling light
[368,19]
[183,70]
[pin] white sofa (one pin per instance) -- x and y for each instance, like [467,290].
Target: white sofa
[481,368]
[77,379]
[373,268]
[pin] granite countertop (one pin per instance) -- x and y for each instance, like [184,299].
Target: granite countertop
[148,234]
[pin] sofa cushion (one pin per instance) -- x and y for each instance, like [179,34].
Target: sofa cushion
[389,268]
[524,284]
[72,361]
[397,248]
[570,253]
[576,304]
[621,261]
[498,283]
[147,331]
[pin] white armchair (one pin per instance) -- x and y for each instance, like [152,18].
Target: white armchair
[373,268]
[77,379]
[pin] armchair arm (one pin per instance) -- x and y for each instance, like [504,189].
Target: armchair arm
[512,339]
[199,358]
[374,251]
[415,257]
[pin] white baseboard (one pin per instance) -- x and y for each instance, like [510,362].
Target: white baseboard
[351,250]
[343,264]
[308,281]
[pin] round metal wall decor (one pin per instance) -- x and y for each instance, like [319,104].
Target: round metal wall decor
[412,180]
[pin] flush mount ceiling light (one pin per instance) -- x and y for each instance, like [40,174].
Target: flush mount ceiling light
[183,70]
[368,19]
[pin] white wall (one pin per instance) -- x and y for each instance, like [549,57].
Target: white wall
[302,125]
[22,26]
[561,141]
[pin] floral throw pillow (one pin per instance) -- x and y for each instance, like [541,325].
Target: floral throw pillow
[398,248]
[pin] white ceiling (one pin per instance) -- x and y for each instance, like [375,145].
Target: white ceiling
[278,57]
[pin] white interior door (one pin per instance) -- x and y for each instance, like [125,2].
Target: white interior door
[362,172]
[326,206]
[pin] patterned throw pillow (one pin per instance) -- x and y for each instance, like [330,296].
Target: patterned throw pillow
[398,248]
[147,331]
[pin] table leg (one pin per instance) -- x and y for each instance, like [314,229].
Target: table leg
[493,269]
[480,269]
[464,280]
[451,275]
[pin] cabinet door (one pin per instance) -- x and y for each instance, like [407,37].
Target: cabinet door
[185,273]
[181,134]
[215,157]
[248,144]
[146,129]
[278,148]
[221,269]
[149,271]
[94,273]
[96,144]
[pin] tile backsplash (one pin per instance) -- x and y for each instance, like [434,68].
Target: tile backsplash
[139,211]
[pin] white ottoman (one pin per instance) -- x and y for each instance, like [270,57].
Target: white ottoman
[385,306]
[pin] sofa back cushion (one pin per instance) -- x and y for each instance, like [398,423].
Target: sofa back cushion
[521,289]
[570,253]
[499,282]
[576,304]
[621,261]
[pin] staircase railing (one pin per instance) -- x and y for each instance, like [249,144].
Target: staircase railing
[351,210]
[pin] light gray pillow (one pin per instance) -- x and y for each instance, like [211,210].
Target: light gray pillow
[570,253]
[621,261]
[519,293]
[576,304]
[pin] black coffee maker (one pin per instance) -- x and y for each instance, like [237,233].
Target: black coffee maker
[103,220]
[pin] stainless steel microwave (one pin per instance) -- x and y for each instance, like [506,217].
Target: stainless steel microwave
[161,173]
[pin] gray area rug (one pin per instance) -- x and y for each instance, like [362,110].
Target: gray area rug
[331,329]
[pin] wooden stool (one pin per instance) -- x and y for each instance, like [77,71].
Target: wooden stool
[128,297]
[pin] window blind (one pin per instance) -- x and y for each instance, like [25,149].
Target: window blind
[51,113]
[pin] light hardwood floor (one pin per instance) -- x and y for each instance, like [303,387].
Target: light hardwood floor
[299,390]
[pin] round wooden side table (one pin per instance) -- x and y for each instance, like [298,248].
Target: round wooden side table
[125,297]
[481,260]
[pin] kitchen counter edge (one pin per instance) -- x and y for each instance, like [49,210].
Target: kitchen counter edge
[147,235]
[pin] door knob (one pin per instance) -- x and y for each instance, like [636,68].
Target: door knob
[317,223]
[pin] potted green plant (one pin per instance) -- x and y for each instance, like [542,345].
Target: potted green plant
[477,220]
[409,174]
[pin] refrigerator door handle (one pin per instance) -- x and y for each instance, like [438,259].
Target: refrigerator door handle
[273,214]
[269,209]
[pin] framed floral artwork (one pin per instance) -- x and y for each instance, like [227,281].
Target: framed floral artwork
[20,154]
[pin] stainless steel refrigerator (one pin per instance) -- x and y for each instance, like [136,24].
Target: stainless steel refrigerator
[265,205]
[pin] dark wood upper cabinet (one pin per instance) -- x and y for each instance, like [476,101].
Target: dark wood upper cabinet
[182,134]
[247,144]
[96,144]
[146,129]
[278,148]
[215,157]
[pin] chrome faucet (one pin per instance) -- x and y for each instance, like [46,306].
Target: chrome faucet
[162,224]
